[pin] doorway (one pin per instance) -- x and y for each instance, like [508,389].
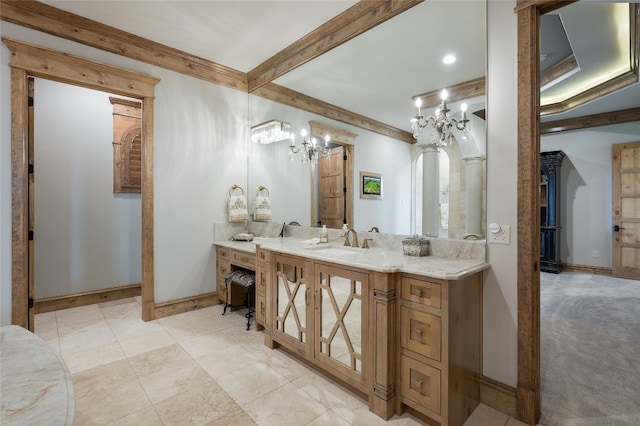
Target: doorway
[86,233]
[25,60]
[342,142]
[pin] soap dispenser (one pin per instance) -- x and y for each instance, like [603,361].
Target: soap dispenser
[324,236]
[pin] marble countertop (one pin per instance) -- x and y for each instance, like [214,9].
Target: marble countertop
[374,259]
[36,386]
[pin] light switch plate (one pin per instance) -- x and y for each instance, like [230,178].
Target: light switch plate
[503,236]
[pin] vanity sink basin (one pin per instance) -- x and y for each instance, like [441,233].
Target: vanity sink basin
[331,251]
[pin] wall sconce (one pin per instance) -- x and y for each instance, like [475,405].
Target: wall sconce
[270,132]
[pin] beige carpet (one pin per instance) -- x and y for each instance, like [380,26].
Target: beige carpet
[590,350]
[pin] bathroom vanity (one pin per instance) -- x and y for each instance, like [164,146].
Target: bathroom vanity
[401,331]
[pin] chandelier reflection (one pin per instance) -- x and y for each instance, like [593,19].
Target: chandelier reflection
[308,149]
[441,121]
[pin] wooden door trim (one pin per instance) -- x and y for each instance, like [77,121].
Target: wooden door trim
[29,60]
[528,268]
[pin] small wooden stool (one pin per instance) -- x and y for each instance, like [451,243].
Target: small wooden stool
[246,280]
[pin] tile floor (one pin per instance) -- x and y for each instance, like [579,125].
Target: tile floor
[197,368]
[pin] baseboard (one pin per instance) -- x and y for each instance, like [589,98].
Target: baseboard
[588,269]
[178,306]
[57,303]
[497,395]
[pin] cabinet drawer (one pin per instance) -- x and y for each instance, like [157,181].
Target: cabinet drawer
[420,384]
[421,332]
[247,260]
[264,256]
[261,309]
[261,280]
[223,253]
[423,292]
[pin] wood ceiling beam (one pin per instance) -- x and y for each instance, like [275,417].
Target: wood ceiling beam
[57,22]
[359,18]
[589,121]
[457,92]
[275,93]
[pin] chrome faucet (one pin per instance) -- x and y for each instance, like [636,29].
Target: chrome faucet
[355,237]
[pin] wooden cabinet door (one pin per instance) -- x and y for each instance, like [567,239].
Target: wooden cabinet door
[341,311]
[292,321]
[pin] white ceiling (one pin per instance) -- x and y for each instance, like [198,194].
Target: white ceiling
[375,74]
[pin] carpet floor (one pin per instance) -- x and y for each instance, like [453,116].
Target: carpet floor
[590,350]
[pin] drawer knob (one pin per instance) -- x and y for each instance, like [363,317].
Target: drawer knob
[419,292]
[419,383]
[419,332]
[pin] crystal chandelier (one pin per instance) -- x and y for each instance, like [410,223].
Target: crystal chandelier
[271,131]
[308,148]
[442,122]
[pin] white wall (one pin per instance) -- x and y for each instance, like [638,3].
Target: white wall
[200,139]
[585,190]
[500,287]
[86,237]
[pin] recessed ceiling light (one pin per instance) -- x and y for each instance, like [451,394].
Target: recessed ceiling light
[449,59]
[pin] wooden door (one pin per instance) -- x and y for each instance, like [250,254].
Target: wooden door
[332,195]
[31,203]
[626,210]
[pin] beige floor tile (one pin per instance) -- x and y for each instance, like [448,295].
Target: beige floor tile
[247,384]
[296,409]
[197,406]
[127,327]
[342,402]
[226,361]
[329,418]
[284,364]
[93,357]
[46,326]
[86,336]
[147,342]
[165,358]
[203,345]
[107,393]
[144,417]
[486,416]
[72,318]
[169,382]
[237,418]
[131,309]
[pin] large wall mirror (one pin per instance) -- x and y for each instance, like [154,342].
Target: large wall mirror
[425,189]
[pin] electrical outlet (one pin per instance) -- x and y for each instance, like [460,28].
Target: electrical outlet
[503,236]
[596,254]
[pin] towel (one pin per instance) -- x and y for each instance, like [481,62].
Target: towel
[262,208]
[238,211]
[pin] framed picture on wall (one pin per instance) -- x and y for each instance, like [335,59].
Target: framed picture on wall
[370,185]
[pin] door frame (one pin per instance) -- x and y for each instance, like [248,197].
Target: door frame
[30,60]
[528,269]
